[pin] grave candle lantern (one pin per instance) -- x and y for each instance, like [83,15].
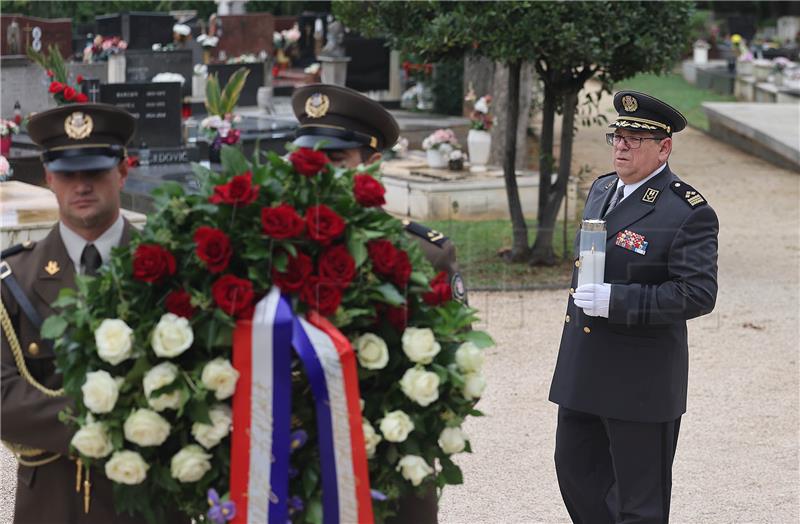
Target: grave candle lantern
[592,252]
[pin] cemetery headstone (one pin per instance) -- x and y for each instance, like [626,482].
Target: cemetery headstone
[307,44]
[20,31]
[255,79]
[142,65]
[369,68]
[139,30]
[245,34]
[156,107]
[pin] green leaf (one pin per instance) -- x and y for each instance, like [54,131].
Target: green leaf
[233,160]
[66,297]
[314,512]
[390,294]
[53,327]
[198,411]
[310,479]
[451,472]
[419,279]
[479,338]
[213,95]
[357,248]
[230,95]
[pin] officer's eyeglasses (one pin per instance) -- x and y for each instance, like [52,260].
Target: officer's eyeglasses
[631,142]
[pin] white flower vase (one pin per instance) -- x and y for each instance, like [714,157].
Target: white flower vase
[479,145]
[436,159]
[744,68]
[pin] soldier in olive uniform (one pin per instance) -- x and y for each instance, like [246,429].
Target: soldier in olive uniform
[354,129]
[85,166]
[621,376]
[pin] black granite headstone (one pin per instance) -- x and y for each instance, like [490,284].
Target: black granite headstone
[157,108]
[368,69]
[91,88]
[254,80]
[141,66]
[140,30]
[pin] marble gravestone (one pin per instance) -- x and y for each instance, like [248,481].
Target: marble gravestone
[139,30]
[19,32]
[142,65]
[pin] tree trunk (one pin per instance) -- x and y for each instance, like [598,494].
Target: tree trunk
[542,252]
[546,150]
[519,247]
[499,91]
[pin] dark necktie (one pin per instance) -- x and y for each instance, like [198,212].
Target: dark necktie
[90,260]
[615,201]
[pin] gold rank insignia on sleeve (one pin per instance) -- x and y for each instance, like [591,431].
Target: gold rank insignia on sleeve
[694,198]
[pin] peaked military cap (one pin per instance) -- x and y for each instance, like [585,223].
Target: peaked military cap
[641,112]
[342,118]
[82,137]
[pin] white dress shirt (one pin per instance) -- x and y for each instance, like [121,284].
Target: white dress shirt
[75,243]
[630,188]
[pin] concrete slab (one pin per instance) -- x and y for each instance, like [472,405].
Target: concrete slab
[768,130]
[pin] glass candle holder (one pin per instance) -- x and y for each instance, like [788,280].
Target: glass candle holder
[592,252]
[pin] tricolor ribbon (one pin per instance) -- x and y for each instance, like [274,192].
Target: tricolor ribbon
[260,446]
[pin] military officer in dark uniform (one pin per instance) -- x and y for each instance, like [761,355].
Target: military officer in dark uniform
[83,151]
[621,376]
[354,129]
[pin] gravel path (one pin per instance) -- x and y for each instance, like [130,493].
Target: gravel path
[737,458]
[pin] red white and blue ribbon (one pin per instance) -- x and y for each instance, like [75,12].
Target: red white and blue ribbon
[260,444]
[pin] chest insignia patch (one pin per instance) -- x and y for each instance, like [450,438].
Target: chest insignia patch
[52,268]
[632,241]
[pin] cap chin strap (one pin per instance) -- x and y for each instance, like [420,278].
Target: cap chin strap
[339,132]
[105,150]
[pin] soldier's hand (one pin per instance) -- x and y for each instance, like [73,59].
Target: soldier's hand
[593,299]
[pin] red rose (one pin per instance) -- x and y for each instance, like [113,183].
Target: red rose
[368,191]
[79,79]
[50,73]
[69,93]
[383,255]
[297,272]
[397,317]
[56,87]
[179,302]
[240,191]
[282,222]
[151,263]
[325,297]
[402,269]
[81,98]
[213,248]
[308,162]
[233,295]
[232,137]
[324,225]
[440,290]
[337,266]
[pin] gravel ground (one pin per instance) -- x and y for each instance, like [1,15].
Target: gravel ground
[737,458]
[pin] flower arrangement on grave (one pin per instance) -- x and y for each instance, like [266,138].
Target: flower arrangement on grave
[103,47]
[154,350]
[480,118]
[220,123]
[208,41]
[442,139]
[284,42]
[168,77]
[60,87]
[7,129]
[5,169]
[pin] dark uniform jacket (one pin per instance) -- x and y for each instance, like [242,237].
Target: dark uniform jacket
[441,253]
[45,494]
[634,364]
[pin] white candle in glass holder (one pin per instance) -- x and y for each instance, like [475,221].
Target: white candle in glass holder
[592,252]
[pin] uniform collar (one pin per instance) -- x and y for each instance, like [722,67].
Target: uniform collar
[75,243]
[630,188]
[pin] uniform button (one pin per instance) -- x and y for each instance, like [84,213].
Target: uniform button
[587,330]
[33,349]
[572,291]
[577,263]
[677,184]
[566,319]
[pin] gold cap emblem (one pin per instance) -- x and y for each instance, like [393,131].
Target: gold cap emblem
[78,125]
[629,103]
[317,105]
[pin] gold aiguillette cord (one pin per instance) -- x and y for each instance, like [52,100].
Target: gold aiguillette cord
[87,488]
[87,485]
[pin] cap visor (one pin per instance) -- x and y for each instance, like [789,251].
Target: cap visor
[83,163]
[326,142]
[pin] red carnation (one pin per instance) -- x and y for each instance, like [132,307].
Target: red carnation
[79,79]
[337,266]
[324,225]
[213,248]
[308,162]
[56,87]
[325,297]
[282,222]
[50,73]
[440,290]
[240,191]
[368,191]
[233,295]
[69,93]
[81,98]
[383,255]
[179,302]
[151,263]
[298,270]
[402,269]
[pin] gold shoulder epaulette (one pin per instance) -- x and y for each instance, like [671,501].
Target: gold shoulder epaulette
[688,194]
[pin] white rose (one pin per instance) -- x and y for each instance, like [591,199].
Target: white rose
[474,384]
[114,340]
[419,345]
[126,467]
[209,435]
[100,391]
[172,336]
[219,376]
[414,469]
[190,464]
[158,377]
[371,438]
[372,351]
[396,426]
[469,357]
[92,440]
[146,428]
[452,440]
[420,386]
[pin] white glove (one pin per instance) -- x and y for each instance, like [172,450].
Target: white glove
[593,299]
